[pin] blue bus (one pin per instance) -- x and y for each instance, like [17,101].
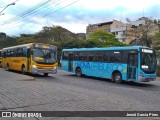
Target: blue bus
[130,63]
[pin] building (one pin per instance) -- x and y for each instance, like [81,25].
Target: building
[115,27]
[129,33]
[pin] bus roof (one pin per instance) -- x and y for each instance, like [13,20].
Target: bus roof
[29,44]
[107,48]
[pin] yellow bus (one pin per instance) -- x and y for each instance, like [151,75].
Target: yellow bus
[0,58]
[35,58]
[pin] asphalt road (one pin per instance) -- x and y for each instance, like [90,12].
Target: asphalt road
[66,92]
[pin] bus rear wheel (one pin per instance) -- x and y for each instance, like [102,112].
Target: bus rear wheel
[117,77]
[45,74]
[78,72]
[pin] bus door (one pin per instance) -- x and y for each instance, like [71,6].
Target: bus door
[132,66]
[70,64]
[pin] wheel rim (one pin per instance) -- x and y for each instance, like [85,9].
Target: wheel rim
[7,67]
[23,70]
[78,72]
[117,78]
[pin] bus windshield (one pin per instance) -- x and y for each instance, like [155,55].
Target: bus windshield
[148,61]
[44,55]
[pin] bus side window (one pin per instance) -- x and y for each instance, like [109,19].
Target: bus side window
[4,54]
[118,56]
[12,53]
[19,52]
[96,56]
[111,56]
[8,53]
[91,56]
[124,56]
[24,52]
[65,55]
[101,56]
[76,56]
[107,56]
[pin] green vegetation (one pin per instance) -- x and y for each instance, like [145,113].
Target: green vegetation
[7,41]
[62,38]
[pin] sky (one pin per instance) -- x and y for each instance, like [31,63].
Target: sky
[30,16]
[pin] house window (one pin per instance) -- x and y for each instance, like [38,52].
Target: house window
[107,30]
[123,39]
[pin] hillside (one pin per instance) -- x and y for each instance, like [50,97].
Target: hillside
[51,34]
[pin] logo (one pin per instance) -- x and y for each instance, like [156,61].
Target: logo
[6,114]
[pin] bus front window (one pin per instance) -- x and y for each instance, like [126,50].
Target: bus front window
[148,62]
[44,55]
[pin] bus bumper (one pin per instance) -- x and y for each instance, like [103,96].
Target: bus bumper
[42,71]
[144,79]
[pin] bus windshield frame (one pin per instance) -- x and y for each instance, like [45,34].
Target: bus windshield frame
[43,55]
[148,60]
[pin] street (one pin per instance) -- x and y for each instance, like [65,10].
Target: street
[66,92]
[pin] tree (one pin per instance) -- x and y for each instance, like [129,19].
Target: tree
[143,32]
[105,38]
[156,44]
[156,40]
[6,41]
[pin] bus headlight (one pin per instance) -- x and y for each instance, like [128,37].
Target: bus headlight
[34,66]
[55,67]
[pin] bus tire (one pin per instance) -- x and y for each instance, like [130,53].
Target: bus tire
[117,77]
[23,70]
[78,72]
[7,68]
[45,74]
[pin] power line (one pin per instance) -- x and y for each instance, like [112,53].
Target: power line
[51,13]
[28,15]
[32,11]
[25,13]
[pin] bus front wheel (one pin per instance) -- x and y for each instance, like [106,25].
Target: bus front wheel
[23,70]
[7,68]
[117,77]
[78,72]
